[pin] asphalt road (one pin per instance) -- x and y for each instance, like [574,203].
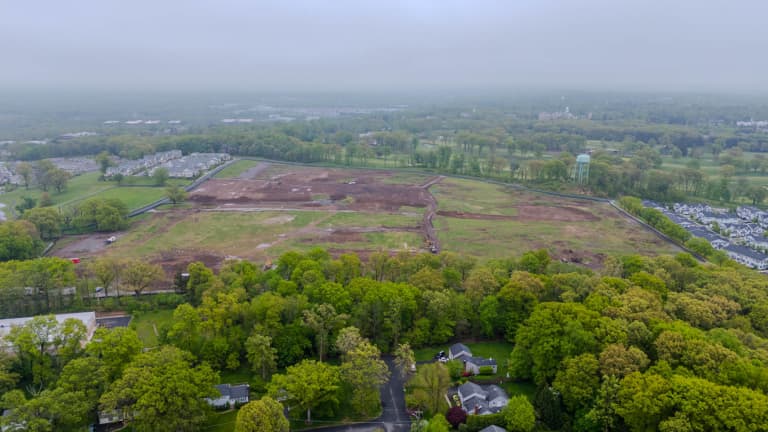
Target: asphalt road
[393,418]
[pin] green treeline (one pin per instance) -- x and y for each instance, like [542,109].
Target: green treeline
[661,343]
[489,143]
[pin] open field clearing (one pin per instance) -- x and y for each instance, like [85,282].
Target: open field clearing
[269,209]
[490,221]
[138,191]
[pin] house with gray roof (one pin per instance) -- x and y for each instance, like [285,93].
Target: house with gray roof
[231,394]
[477,399]
[747,256]
[473,364]
[493,428]
[458,351]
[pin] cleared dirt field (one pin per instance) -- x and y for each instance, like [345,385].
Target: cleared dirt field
[264,210]
[317,188]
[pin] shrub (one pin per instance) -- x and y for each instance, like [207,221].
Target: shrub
[455,368]
[456,416]
[486,370]
[478,422]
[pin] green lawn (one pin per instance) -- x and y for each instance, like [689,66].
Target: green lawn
[78,187]
[221,421]
[525,388]
[146,322]
[236,168]
[498,350]
[134,197]
[88,185]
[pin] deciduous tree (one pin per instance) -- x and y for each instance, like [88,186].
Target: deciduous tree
[519,414]
[263,415]
[364,371]
[164,389]
[261,355]
[307,384]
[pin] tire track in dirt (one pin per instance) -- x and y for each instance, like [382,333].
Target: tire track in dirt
[429,227]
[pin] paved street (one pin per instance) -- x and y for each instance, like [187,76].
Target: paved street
[393,418]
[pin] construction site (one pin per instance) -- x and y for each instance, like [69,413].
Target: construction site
[268,209]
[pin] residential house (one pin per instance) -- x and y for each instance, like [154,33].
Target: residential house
[473,364]
[114,416]
[747,256]
[459,350]
[230,395]
[493,428]
[757,242]
[717,241]
[477,399]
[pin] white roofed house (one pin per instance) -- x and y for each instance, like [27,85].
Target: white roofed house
[87,318]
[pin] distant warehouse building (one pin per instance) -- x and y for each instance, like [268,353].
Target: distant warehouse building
[87,318]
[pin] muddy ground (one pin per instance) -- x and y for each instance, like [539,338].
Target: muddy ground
[316,188]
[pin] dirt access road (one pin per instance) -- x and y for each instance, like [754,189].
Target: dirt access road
[428,225]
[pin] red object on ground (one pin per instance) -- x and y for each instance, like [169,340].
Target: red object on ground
[75,260]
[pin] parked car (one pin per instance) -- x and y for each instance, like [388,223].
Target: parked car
[440,355]
[443,359]
[75,260]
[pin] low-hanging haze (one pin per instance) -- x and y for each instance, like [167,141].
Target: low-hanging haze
[358,44]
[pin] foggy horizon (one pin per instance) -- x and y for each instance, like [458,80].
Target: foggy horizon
[235,45]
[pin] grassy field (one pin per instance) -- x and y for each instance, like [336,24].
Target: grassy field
[473,197]
[603,230]
[146,322]
[258,234]
[236,168]
[221,421]
[137,192]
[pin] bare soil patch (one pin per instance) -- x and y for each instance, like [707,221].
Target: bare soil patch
[351,189]
[84,245]
[554,213]
[176,261]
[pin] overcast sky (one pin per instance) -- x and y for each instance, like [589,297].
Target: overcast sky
[358,44]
